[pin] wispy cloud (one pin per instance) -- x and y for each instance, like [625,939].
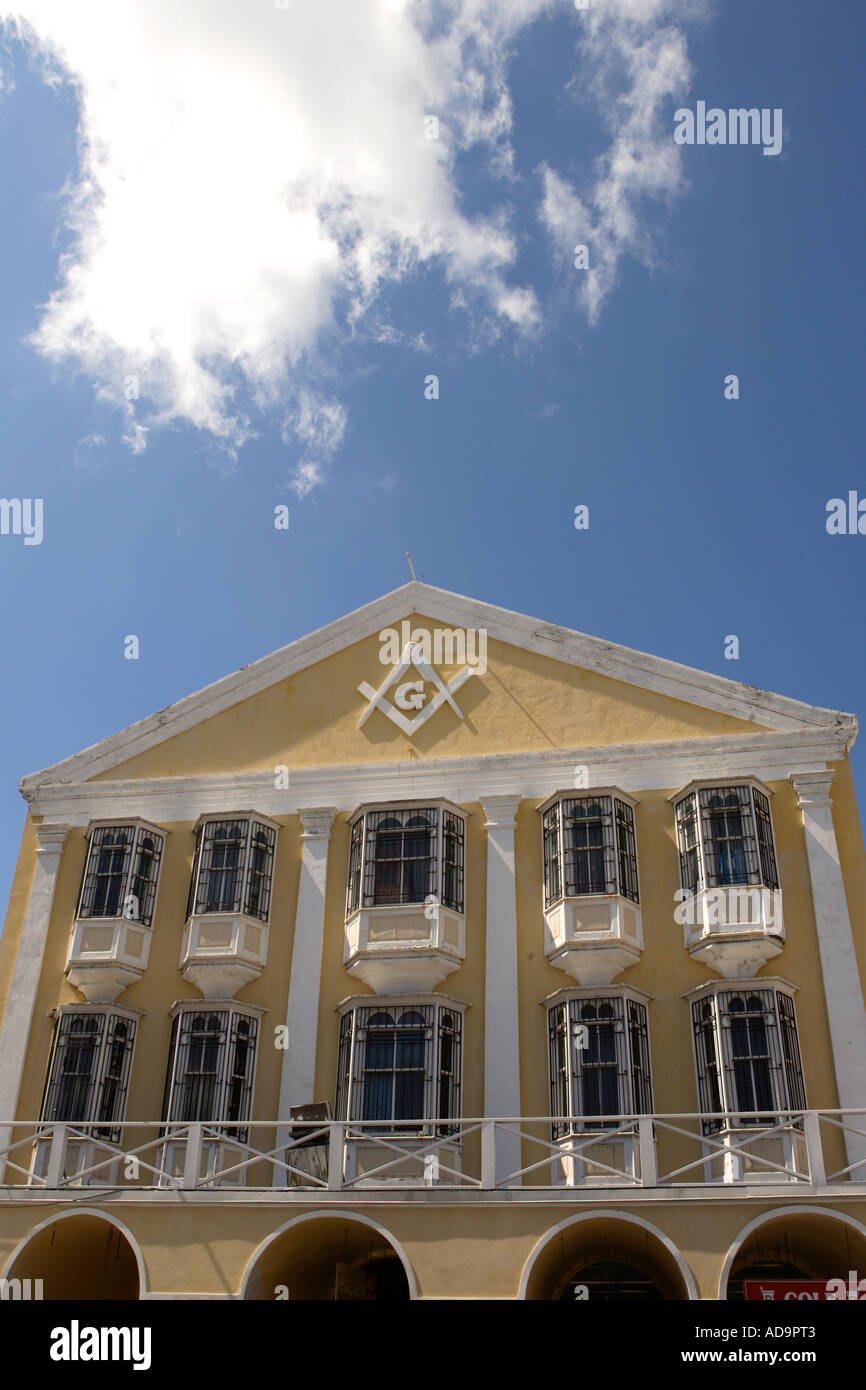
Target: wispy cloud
[633,61]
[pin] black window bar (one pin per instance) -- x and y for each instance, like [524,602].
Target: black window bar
[639,1055]
[589,847]
[453,858]
[258,895]
[72,1076]
[88,1071]
[552,857]
[752,1054]
[588,857]
[626,850]
[791,1052]
[609,1076]
[105,875]
[688,841]
[450,1069]
[232,868]
[115,1065]
[560,1070]
[400,1064]
[210,1069]
[221,866]
[708,1062]
[145,873]
[353,894]
[730,844]
[400,856]
[748,1058]
[766,850]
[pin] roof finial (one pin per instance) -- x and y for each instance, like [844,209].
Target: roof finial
[411,566]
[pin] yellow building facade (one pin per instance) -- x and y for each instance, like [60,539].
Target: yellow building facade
[443,954]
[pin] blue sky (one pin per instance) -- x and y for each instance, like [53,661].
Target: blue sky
[282,355]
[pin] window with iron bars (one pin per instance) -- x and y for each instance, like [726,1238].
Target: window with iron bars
[725,838]
[232,868]
[406,856]
[211,1067]
[400,1063]
[610,1075]
[121,872]
[589,847]
[748,1056]
[88,1071]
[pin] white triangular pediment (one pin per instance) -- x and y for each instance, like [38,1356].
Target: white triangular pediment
[684,683]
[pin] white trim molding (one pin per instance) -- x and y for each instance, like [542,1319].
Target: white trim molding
[534,773]
[842,991]
[15,1032]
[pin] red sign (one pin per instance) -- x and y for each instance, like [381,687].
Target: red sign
[784,1290]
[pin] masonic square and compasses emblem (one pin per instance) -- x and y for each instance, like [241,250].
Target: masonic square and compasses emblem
[419,651]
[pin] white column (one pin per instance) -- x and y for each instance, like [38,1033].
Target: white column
[25,976]
[298,1078]
[838,959]
[501,1037]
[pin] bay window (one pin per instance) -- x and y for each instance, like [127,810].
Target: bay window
[211,1066]
[599,1061]
[400,1062]
[121,872]
[88,1070]
[406,855]
[747,1055]
[725,838]
[589,848]
[232,868]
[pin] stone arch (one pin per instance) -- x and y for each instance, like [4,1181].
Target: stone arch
[812,1242]
[85,1254]
[302,1255]
[578,1241]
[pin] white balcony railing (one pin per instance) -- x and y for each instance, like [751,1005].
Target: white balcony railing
[797,1148]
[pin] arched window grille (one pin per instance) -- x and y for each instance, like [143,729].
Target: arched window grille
[88,1069]
[400,1063]
[121,873]
[405,856]
[599,1061]
[748,1056]
[589,847]
[232,868]
[211,1067]
[725,839]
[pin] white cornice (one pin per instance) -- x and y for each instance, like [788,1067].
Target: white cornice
[633,768]
[561,644]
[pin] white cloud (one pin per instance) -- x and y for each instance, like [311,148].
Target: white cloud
[253,179]
[636,59]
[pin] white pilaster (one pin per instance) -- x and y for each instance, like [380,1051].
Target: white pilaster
[501,1036]
[25,976]
[842,988]
[302,1014]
